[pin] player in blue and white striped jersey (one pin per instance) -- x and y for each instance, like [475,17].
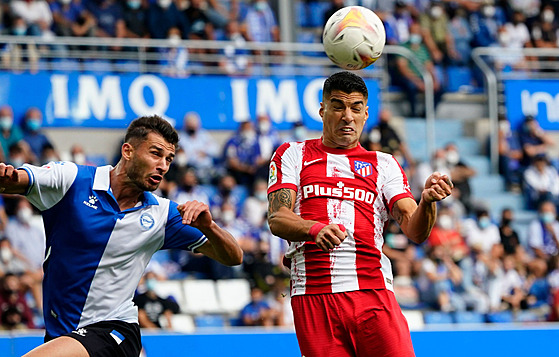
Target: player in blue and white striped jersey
[102,226]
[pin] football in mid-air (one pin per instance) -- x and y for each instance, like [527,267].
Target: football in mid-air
[354,37]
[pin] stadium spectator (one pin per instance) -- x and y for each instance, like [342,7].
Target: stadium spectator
[405,288]
[162,16]
[440,42]
[235,59]
[151,307]
[383,137]
[539,290]
[10,134]
[513,293]
[409,78]
[11,260]
[17,56]
[544,232]
[260,23]
[510,155]
[530,10]
[514,36]
[533,139]
[33,135]
[175,58]
[437,163]
[79,156]
[402,22]
[257,312]
[268,141]
[255,206]
[485,24]
[201,28]
[445,234]
[14,310]
[481,233]
[335,5]
[36,15]
[241,154]
[509,237]
[298,132]
[544,32]
[109,18]
[541,182]
[199,146]
[49,154]
[188,188]
[459,29]
[70,18]
[228,191]
[488,275]
[461,174]
[135,16]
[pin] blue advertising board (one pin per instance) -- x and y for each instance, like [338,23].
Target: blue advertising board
[112,101]
[537,97]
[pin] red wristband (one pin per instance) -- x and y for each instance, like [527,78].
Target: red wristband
[317,227]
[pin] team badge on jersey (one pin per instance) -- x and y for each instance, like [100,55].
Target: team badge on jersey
[146,221]
[363,168]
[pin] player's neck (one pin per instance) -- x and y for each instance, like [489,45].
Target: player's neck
[125,192]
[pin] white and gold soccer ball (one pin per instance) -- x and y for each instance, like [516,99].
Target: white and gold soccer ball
[354,37]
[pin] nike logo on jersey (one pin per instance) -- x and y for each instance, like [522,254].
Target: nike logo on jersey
[310,162]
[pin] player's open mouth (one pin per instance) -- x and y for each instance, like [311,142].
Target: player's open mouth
[347,130]
[155,180]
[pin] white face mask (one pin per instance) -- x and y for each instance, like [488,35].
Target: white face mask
[248,135]
[174,40]
[445,222]
[261,195]
[452,157]
[227,217]
[79,158]
[300,133]
[164,3]
[25,214]
[181,159]
[489,11]
[6,254]
[264,127]
[436,12]
[6,122]
[548,16]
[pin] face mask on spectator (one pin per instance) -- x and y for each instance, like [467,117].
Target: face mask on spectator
[79,158]
[17,162]
[248,135]
[34,124]
[20,31]
[548,16]
[445,222]
[300,133]
[6,123]
[260,6]
[436,12]
[6,254]
[547,217]
[134,4]
[174,40]
[452,157]
[261,195]
[264,127]
[65,2]
[484,222]
[151,284]
[415,38]
[25,214]
[181,159]
[227,217]
[504,38]
[489,11]
[164,3]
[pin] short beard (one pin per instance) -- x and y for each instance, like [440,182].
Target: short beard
[136,178]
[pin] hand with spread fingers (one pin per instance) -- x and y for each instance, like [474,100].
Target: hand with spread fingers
[437,188]
[197,214]
[330,237]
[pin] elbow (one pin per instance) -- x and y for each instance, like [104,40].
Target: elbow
[234,259]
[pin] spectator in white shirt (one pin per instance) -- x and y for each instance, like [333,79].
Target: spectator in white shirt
[544,232]
[36,14]
[541,182]
[481,233]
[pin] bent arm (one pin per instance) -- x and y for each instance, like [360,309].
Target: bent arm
[12,180]
[415,220]
[283,222]
[221,246]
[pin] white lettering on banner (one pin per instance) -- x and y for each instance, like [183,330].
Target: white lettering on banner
[101,102]
[347,193]
[281,105]
[311,101]
[160,95]
[531,101]
[239,87]
[59,85]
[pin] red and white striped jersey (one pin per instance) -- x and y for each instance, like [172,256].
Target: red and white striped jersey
[354,187]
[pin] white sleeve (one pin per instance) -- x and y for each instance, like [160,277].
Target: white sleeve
[49,183]
[396,184]
[535,234]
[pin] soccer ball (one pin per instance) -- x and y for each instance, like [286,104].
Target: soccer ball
[354,37]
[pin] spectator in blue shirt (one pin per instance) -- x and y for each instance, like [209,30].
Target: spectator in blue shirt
[135,19]
[33,134]
[242,154]
[162,16]
[534,140]
[257,312]
[109,18]
[485,25]
[70,18]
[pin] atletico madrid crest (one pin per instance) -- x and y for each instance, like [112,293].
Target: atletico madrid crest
[363,168]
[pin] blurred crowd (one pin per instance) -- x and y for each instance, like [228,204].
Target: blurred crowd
[471,262]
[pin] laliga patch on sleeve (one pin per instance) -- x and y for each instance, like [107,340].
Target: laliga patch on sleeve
[273,174]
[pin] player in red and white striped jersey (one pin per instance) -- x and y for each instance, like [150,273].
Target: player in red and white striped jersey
[331,198]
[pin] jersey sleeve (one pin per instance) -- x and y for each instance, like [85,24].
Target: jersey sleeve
[49,183]
[284,168]
[179,235]
[396,185]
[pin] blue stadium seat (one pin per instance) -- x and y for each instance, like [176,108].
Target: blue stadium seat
[301,14]
[317,9]
[500,317]
[468,317]
[458,78]
[209,321]
[486,185]
[437,317]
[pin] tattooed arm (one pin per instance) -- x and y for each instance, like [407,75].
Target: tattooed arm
[415,220]
[285,224]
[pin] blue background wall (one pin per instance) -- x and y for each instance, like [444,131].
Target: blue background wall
[467,342]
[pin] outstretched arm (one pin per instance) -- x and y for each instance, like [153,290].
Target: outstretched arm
[12,180]
[221,245]
[285,224]
[415,220]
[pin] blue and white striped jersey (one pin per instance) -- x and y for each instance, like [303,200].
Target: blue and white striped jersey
[96,253]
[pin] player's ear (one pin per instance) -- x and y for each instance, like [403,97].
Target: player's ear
[366,113]
[321,110]
[126,151]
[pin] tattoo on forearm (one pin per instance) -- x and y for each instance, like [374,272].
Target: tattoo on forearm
[279,198]
[397,214]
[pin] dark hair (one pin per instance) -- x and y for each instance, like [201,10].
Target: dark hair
[141,127]
[346,82]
